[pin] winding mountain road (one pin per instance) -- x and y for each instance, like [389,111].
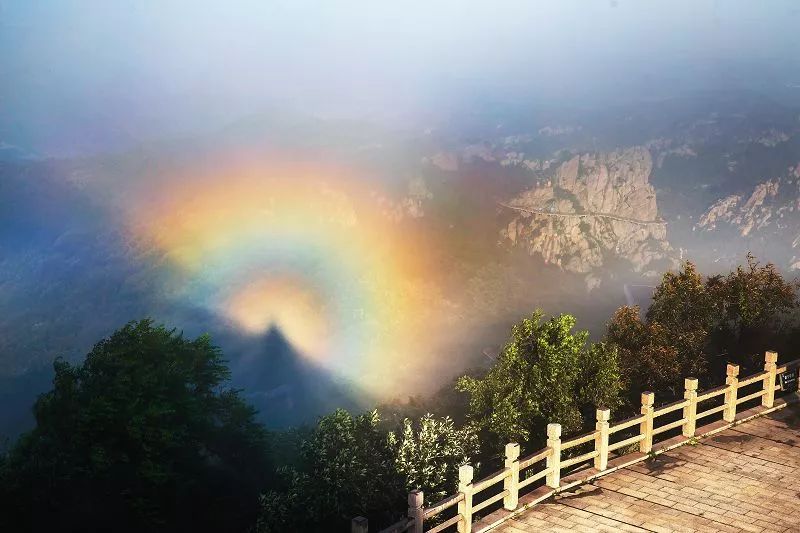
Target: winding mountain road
[583,215]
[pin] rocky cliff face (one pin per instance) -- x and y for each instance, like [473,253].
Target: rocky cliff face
[757,212]
[594,207]
[770,212]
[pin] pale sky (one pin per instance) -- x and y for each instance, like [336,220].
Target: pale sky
[79,74]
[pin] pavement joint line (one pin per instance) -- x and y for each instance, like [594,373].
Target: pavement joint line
[616,519]
[759,436]
[643,500]
[754,456]
[737,472]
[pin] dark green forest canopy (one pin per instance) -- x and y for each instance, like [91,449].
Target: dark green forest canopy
[144,435]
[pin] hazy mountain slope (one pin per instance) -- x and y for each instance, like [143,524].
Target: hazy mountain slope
[766,219]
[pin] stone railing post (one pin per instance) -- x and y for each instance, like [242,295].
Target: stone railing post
[465,474]
[601,439]
[554,459]
[770,366]
[359,524]
[690,411]
[415,502]
[646,425]
[511,482]
[732,380]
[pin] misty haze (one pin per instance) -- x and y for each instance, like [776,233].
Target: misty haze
[356,202]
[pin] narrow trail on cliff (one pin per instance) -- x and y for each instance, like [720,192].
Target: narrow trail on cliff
[583,215]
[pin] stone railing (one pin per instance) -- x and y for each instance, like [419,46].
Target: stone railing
[560,457]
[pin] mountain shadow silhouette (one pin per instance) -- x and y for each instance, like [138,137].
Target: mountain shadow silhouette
[286,388]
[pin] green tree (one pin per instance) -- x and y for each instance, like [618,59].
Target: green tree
[684,311]
[599,379]
[347,469]
[682,299]
[540,377]
[647,358]
[672,342]
[427,454]
[752,301]
[695,325]
[754,294]
[351,466]
[143,436]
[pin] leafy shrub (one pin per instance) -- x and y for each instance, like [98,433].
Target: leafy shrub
[546,373]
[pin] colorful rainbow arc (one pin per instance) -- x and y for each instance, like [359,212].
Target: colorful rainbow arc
[276,245]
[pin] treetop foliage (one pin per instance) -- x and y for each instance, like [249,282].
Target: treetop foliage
[428,453]
[350,467]
[142,435]
[546,373]
[752,295]
[695,325]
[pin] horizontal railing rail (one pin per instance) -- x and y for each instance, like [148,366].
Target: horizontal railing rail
[788,366]
[535,458]
[579,459]
[752,379]
[398,527]
[577,441]
[534,478]
[670,407]
[710,412]
[624,443]
[441,505]
[520,473]
[666,427]
[712,393]
[447,523]
[488,501]
[625,424]
[490,480]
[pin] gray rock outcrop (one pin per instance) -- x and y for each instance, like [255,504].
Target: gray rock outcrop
[595,206]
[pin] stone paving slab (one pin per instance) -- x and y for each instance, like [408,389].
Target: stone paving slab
[746,478]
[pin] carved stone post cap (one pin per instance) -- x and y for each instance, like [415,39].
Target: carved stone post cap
[553,431]
[415,499]
[512,450]
[648,398]
[690,383]
[465,473]
[771,357]
[603,414]
[360,521]
[732,370]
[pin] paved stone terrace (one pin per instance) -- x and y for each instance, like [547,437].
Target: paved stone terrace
[746,478]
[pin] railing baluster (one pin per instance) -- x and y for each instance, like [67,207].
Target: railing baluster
[554,459]
[416,499]
[601,439]
[465,474]
[511,473]
[511,482]
[646,426]
[770,366]
[732,380]
[690,410]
